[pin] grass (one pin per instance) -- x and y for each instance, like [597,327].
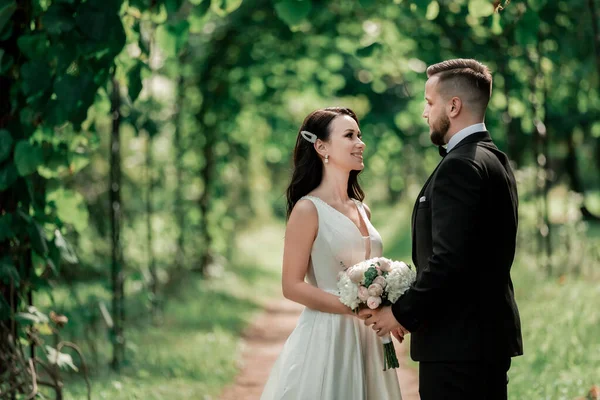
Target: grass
[561,334]
[193,354]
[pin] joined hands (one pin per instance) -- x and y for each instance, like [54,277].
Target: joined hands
[383,322]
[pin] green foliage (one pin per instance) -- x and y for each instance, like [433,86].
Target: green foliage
[233,81]
[292,12]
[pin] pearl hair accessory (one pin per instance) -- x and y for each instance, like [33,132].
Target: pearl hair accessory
[310,137]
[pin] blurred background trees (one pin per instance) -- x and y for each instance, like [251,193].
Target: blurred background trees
[138,138]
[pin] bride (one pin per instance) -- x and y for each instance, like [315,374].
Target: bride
[330,354]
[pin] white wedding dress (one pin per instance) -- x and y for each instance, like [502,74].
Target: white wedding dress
[333,356]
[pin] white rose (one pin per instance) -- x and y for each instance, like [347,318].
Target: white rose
[385,264]
[356,274]
[363,293]
[380,280]
[375,290]
[373,302]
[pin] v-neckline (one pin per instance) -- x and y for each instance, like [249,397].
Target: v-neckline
[347,217]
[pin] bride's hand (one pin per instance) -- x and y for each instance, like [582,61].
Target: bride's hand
[398,334]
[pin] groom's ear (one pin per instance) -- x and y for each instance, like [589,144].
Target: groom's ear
[455,106]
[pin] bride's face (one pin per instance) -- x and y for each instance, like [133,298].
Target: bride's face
[345,147]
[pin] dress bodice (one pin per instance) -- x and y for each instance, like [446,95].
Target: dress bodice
[339,244]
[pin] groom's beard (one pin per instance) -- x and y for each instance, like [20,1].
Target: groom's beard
[439,130]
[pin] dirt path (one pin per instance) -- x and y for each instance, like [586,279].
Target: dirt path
[263,342]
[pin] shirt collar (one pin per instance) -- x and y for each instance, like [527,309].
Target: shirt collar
[463,133]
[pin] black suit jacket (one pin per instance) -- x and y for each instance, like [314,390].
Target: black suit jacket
[462,304]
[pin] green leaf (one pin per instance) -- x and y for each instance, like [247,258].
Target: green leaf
[480,8]
[134,76]
[35,78]
[173,6]
[74,94]
[32,316]
[34,46]
[202,7]
[70,207]
[6,230]
[224,7]
[433,10]
[38,239]
[496,25]
[8,176]
[6,61]
[368,50]
[66,250]
[172,38]
[58,19]
[103,27]
[6,12]
[27,157]
[292,12]
[8,272]
[527,31]
[6,142]
[61,359]
[366,3]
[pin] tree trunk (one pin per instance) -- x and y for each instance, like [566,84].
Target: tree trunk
[179,209]
[596,39]
[118,308]
[572,169]
[149,213]
[207,173]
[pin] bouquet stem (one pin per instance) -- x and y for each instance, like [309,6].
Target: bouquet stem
[389,353]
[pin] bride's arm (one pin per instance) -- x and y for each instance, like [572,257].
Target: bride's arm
[300,234]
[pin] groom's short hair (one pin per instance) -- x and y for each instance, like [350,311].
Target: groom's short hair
[465,78]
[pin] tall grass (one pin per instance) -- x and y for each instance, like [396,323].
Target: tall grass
[193,353]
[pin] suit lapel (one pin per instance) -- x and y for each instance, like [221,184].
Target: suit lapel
[416,206]
[484,138]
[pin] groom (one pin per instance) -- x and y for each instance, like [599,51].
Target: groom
[461,309]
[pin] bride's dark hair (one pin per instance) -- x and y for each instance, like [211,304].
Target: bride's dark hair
[308,166]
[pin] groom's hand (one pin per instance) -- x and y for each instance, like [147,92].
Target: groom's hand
[382,321]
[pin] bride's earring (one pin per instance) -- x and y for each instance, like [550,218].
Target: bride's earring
[326,158]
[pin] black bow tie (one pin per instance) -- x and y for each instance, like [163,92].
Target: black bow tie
[442,151]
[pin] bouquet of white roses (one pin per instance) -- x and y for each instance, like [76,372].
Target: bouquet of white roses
[374,283]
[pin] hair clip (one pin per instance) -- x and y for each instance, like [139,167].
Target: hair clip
[311,137]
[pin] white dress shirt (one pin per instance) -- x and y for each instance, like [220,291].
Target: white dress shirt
[463,133]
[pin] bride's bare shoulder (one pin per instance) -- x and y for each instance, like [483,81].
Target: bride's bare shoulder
[304,209]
